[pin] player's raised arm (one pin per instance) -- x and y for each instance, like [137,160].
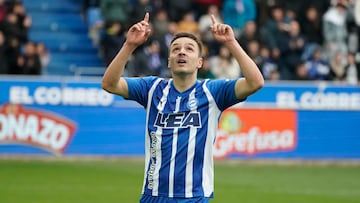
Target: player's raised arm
[112,80]
[253,79]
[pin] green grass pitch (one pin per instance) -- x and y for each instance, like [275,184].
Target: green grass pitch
[120,180]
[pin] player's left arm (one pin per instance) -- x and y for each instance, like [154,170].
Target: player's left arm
[253,79]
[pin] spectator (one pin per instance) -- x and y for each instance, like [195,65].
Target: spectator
[177,8]
[321,6]
[23,20]
[237,12]
[165,39]
[337,67]
[11,27]
[13,55]
[204,28]
[334,28]
[275,29]
[205,72]
[224,65]
[318,69]
[202,6]
[138,10]
[357,20]
[250,33]
[93,18]
[14,26]
[115,11]
[263,10]
[311,26]
[3,59]
[3,10]
[160,23]
[352,27]
[147,61]
[290,15]
[352,70]
[30,60]
[301,72]
[111,41]
[268,67]
[44,54]
[291,48]
[253,50]
[188,24]
[357,11]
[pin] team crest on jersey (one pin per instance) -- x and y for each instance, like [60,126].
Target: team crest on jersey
[178,120]
[192,103]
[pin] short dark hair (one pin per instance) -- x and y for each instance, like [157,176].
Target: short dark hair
[191,36]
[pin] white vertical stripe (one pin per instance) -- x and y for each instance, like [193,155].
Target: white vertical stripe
[173,152]
[208,172]
[191,152]
[160,107]
[147,137]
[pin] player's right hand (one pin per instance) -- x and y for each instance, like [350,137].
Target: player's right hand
[139,32]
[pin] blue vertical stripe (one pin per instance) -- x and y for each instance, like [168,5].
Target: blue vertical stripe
[199,152]
[180,162]
[165,162]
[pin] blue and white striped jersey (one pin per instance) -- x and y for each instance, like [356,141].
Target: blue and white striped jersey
[180,132]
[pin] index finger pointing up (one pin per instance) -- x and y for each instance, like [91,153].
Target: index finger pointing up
[146,18]
[213,20]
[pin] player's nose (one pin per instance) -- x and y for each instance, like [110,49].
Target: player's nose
[182,51]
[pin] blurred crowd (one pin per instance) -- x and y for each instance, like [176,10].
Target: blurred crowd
[19,55]
[289,40]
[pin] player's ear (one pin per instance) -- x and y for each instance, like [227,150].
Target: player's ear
[200,62]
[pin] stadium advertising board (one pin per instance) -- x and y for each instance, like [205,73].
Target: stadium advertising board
[72,116]
[307,96]
[249,132]
[20,125]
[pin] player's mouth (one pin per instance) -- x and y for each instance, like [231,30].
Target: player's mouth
[181,61]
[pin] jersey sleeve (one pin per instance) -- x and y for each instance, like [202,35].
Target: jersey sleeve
[139,88]
[223,91]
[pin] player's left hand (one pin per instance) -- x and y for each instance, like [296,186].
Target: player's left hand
[221,32]
[139,32]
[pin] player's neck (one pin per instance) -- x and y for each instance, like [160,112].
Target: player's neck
[183,82]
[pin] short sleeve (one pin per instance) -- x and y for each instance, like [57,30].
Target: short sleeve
[139,88]
[223,91]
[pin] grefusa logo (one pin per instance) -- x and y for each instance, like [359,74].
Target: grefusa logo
[249,132]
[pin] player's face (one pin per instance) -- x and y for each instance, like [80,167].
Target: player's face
[184,56]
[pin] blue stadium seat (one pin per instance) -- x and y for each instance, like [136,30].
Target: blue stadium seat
[66,64]
[52,5]
[59,25]
[64,41]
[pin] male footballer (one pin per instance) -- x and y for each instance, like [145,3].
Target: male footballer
[182,113]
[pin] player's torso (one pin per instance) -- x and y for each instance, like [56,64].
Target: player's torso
[177,128]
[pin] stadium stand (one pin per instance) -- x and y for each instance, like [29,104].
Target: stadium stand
[281,36]
[59,25]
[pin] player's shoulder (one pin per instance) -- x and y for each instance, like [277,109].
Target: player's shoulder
[147,81]
[218,83]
